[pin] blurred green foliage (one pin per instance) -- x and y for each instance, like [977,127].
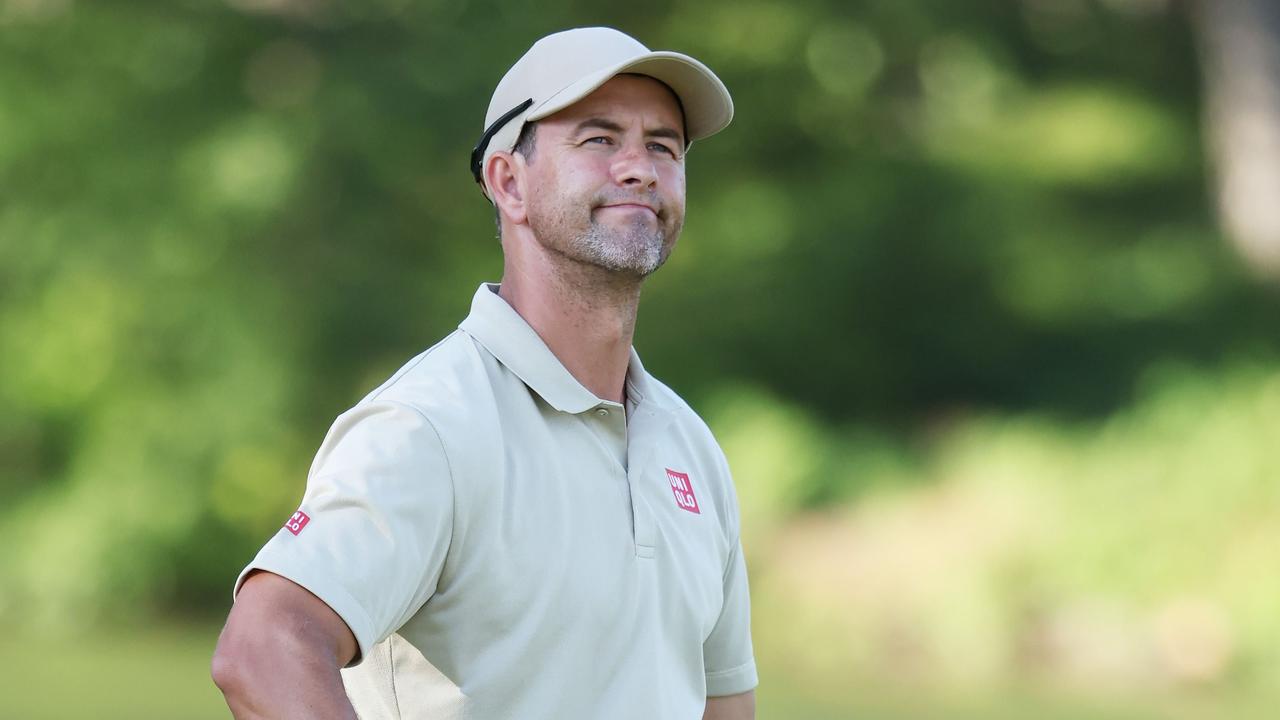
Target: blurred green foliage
[950,291]
[1123,555]
[159,672]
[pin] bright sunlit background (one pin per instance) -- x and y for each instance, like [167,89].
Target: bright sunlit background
[981,299]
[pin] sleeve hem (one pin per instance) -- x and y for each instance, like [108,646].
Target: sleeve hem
[338,599]
[732,681]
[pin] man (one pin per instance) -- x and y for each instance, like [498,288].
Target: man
[522,522]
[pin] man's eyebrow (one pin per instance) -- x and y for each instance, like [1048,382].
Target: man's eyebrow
[598,124]
[665,132]
[611,126]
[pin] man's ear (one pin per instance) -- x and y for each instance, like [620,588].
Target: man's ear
[504,174]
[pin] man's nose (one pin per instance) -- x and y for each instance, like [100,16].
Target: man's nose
[633,167]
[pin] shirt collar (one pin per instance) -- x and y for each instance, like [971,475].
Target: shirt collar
[506,335]
[639,384]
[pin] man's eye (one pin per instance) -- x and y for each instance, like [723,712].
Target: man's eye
[599,140]
[662,148]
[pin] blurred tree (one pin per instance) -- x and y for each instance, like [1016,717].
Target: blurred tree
[1240,44]
[222,222]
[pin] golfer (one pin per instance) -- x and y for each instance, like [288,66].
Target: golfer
[522,522]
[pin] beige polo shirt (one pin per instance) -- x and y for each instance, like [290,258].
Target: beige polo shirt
[504,544]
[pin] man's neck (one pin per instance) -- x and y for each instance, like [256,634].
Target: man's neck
[585,315]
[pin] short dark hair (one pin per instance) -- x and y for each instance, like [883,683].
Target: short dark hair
[525,145]
[527,140]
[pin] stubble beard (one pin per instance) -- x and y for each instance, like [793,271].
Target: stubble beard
[634,250]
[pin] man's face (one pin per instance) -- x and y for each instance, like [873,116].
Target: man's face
[606,182]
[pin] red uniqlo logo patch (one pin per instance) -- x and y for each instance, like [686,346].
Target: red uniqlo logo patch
[683,490]
[297,522]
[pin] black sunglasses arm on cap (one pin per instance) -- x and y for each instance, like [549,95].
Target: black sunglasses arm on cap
[477,153]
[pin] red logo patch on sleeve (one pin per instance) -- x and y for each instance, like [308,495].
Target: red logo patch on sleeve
[682,488]
[297,522]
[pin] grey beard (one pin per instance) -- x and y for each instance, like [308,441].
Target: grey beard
[635,249]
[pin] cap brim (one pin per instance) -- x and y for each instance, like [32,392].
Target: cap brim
[708,108]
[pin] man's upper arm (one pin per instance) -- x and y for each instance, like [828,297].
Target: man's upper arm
[731,707]
[379,521]
[280,654]
[727,653]
[269,605]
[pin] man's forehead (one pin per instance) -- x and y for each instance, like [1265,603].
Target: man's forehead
[626,94]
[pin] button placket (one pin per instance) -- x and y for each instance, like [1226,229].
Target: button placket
[649,426]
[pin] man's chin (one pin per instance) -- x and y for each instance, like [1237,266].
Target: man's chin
[630,251]
[636,267]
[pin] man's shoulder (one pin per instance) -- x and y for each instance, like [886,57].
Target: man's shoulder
[690,424]
[438,380]
[688,419]
[706,458]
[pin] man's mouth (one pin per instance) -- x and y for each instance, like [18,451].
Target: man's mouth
[630,206]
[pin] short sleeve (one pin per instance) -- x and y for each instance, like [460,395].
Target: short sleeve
[727,654]
[379,517]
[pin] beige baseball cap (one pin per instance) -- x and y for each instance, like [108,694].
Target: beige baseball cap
[562,68]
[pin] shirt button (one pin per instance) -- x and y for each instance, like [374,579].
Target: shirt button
[602,412]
